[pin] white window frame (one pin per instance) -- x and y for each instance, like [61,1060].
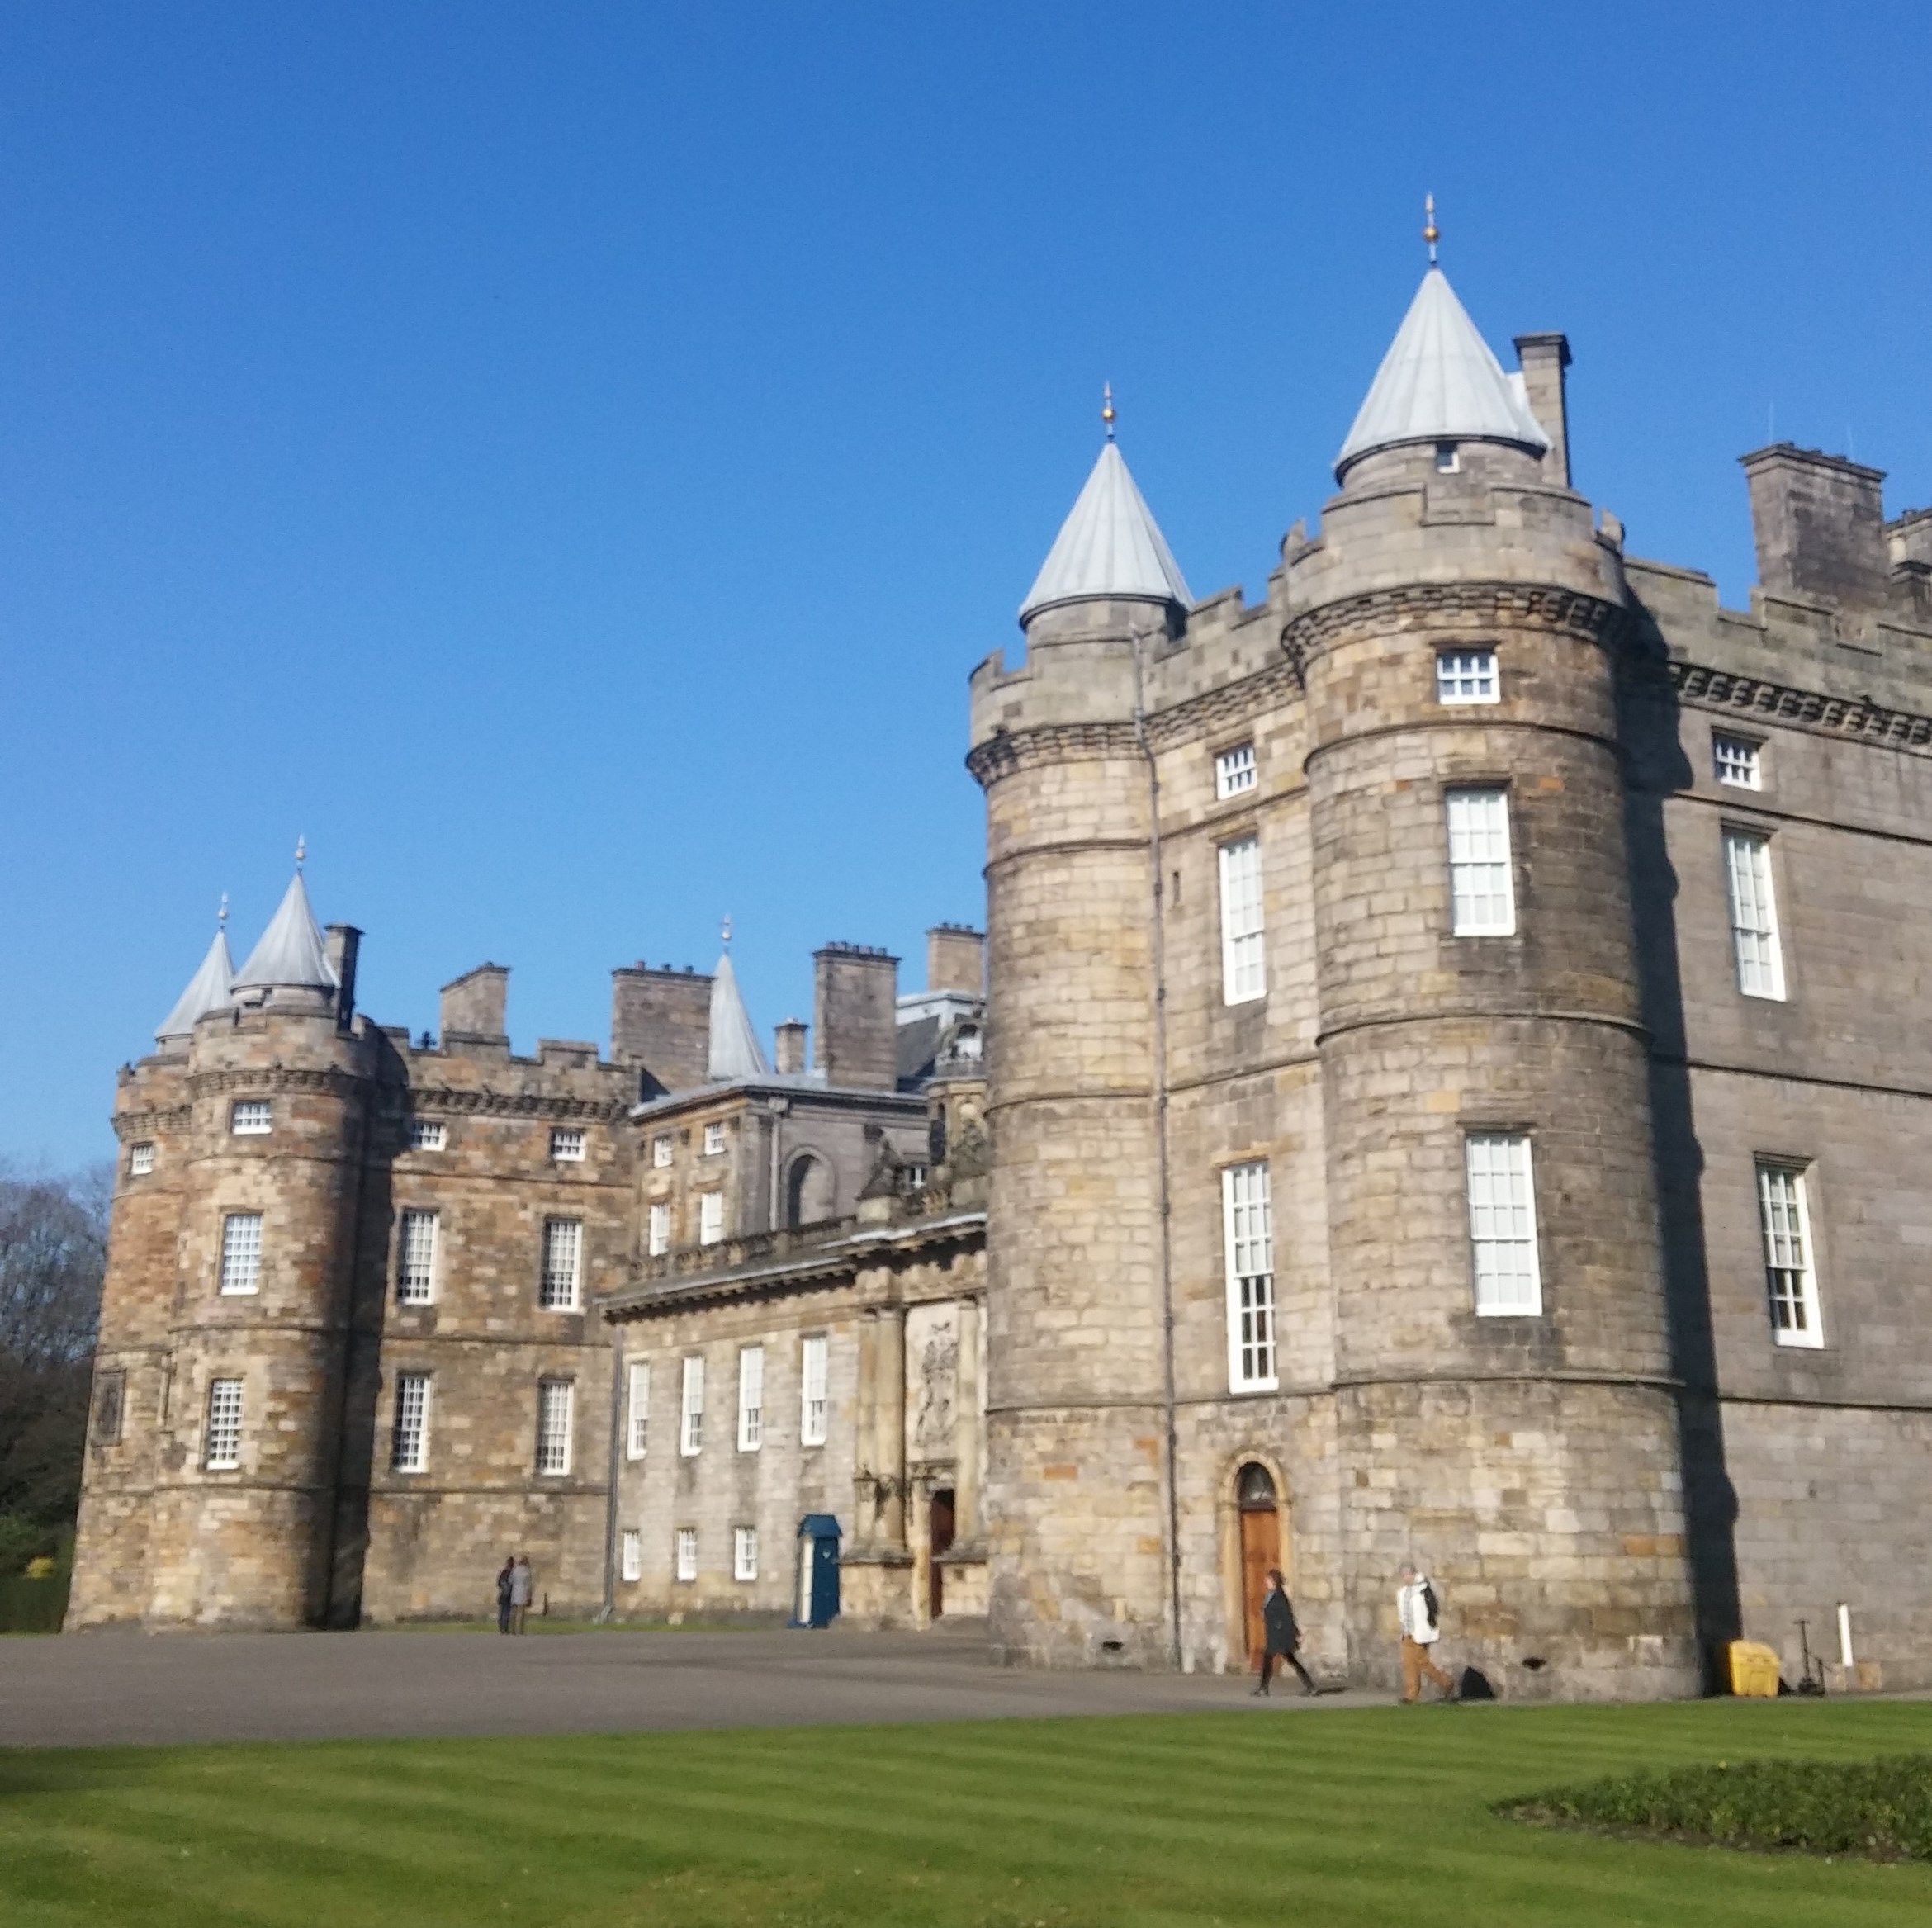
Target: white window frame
[556,1404]
[750,1398]
[658,1235]
[428,1134]
[221,1441]
[814,1379]
[711,1217]
[1751,891]
[638,1410]
[251,1118]
[241,1253]
[1505,1266]
[686,1555]
[416,1254]
[1482,861]
[1791,1262]
[140,1159]
[566,1145]
[408,1442]
[1248,1247]
[631,1555]
[1236,772]
[560,1286]
[663,1150]
[1245,972]
[691,1407]
[744,1553]
[1737,762]
[714,1140]
[1448,458]
[1468,675]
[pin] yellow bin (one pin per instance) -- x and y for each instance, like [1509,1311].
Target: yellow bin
[1754,1669]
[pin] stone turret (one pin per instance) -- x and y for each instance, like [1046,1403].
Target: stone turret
[1074,1389]
[220,1508]
[1455,625]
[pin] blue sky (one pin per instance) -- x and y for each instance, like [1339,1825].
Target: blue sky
[565,461]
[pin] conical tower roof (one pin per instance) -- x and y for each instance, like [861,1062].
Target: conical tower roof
[207,990]
[734,1044]
[1109,548]
[291,952]
[1439,382]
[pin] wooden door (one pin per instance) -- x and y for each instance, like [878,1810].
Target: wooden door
[941,1539]
[1260,1549]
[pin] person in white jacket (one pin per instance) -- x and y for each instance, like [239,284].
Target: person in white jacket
[1420,1632]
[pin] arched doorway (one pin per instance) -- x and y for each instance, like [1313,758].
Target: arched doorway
[1259,1509]
[810,1194]
[940,1539]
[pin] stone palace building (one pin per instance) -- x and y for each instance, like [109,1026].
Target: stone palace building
[1449,1077]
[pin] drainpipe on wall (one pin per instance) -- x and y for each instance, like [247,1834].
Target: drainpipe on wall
[1159,961]
[607,1611]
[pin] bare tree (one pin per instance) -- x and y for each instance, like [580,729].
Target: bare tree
[52,1252]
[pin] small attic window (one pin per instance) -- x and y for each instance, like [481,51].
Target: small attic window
[141,1160]
[566,1147]
[251,1117]
[1234,771]
[1448,458]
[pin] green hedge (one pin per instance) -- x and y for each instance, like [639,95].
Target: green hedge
[1881,1808]
[33,1606]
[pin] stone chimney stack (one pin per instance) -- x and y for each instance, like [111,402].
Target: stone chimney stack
[660,1021]
[1819,521]
[955,960]
[855,1017]
[788,1046]
[344,945]
[1543,359]
[476,1007]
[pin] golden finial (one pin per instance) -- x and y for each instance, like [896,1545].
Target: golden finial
[1107,407]
[302,850]
[1431,233]
[727,930]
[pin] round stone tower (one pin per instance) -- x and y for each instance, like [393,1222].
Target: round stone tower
[264,1162]
[1077,1522]
[1506,1413]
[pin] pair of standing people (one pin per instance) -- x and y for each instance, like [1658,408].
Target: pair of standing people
[513,1594]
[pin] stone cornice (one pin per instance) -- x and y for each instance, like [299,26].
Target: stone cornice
[1467,604]
[1848,716]
[1007,750]
[776,1263]
[1214,710]
[152,1121]
[449,1101]
[277,1077]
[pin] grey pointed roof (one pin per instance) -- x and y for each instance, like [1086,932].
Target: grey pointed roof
[1439,382]
[207,990]
[290,951]
[734,1044]
[1109,545]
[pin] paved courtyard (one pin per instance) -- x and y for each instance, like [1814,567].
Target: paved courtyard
[100,1688]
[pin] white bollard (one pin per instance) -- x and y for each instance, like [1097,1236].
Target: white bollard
[1845,1647]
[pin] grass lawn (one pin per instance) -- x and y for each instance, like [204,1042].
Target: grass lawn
[1377,1816]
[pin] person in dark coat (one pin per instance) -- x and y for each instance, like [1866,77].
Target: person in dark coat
[503,1593]
[1283,1635]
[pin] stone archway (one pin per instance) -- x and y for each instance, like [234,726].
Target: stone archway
[811,1192]
[1254,1508]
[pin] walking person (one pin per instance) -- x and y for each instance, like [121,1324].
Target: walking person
[519,1593]
[1418,1607]
[1284,1634]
